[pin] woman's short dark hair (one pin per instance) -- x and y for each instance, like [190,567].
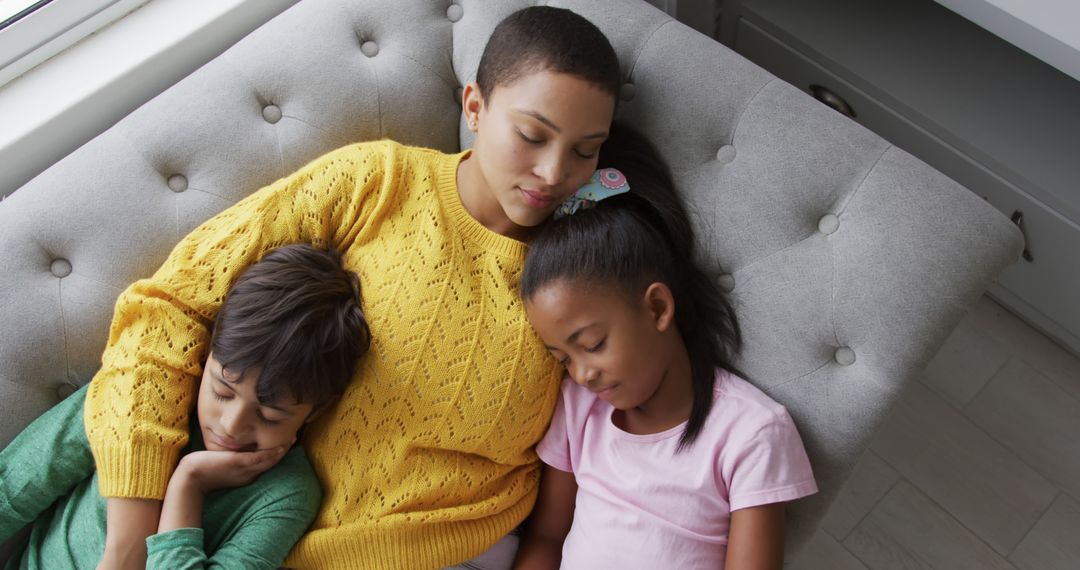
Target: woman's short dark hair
[542,38]
[294,315]
[633,240]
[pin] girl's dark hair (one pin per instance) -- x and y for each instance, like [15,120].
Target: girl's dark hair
[296,315]
[633,240]
[542,38]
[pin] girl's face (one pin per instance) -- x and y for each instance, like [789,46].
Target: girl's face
[537,141]
[619,348]
[232,419]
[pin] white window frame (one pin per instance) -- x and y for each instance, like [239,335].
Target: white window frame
[54,108]
[51,28]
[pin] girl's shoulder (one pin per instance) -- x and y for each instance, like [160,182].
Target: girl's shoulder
[735,399]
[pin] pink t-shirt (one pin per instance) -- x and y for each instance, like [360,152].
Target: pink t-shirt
[641,505]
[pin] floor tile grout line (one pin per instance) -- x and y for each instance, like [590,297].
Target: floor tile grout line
[1051,380]
[1008,449]
[1037,521]
[1043,339]
[899,478]
[975,396]
[947,512]
[978,427]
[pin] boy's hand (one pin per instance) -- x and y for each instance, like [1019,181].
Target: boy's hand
[211,470]
[204,471]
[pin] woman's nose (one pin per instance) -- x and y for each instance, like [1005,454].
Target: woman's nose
[552,170]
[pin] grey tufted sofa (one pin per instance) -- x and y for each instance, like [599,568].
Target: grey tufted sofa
[848,260]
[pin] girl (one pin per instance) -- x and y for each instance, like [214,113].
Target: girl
[659,454]
[427,460]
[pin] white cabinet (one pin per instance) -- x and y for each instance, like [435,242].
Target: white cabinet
[975,107]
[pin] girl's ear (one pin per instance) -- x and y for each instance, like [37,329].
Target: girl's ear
[661,305]
[472,102]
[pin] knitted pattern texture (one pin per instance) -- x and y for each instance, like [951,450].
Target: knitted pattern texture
[428,458]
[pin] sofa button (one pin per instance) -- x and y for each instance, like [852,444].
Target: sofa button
[726,282]
[272,113]
[726,154]
[177,183]
[60,267]
[454,12]
[844,356]
[369,48]
[828,224]
[66,389]
[627,92]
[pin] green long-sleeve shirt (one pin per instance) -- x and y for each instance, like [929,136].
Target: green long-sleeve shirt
[47,477]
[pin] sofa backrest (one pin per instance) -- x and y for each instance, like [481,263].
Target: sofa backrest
[848,260]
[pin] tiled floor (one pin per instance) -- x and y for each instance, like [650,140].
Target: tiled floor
[978,466]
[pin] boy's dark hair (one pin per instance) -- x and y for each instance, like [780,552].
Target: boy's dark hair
[296,315]
[632,240]
[542,38]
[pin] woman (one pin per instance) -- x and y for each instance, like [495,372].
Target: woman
[428,459]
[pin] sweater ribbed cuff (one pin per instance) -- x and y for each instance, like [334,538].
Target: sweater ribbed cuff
[135,472]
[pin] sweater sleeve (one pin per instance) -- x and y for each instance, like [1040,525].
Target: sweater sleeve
[43,463]
[137,406]
[276,510]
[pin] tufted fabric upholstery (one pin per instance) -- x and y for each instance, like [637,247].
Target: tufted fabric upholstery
[849,261]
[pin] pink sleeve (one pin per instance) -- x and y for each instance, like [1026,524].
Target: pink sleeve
[554,448]
[770,467]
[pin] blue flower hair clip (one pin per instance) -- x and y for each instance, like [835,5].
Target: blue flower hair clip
[604,183]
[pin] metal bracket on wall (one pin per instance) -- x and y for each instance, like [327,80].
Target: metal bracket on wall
[1018,219]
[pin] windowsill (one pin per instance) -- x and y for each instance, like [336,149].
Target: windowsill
[59,105]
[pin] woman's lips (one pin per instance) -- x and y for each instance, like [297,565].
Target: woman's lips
[535,198]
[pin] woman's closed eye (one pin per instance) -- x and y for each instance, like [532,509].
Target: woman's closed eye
[585,155]
[528,139]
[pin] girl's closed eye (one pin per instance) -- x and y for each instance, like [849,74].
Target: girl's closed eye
[221,397]
[596,347]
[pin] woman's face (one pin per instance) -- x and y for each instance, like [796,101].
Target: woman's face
[537,141]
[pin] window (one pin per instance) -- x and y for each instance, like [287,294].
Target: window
[12,10]
[33,31]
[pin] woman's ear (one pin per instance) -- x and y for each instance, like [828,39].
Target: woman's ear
[661,305]
[472,102]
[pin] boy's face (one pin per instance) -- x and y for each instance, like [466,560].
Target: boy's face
[232,419]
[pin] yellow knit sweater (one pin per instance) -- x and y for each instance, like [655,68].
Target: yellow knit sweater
[428,458]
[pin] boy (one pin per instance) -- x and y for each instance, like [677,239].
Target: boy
[284,346]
